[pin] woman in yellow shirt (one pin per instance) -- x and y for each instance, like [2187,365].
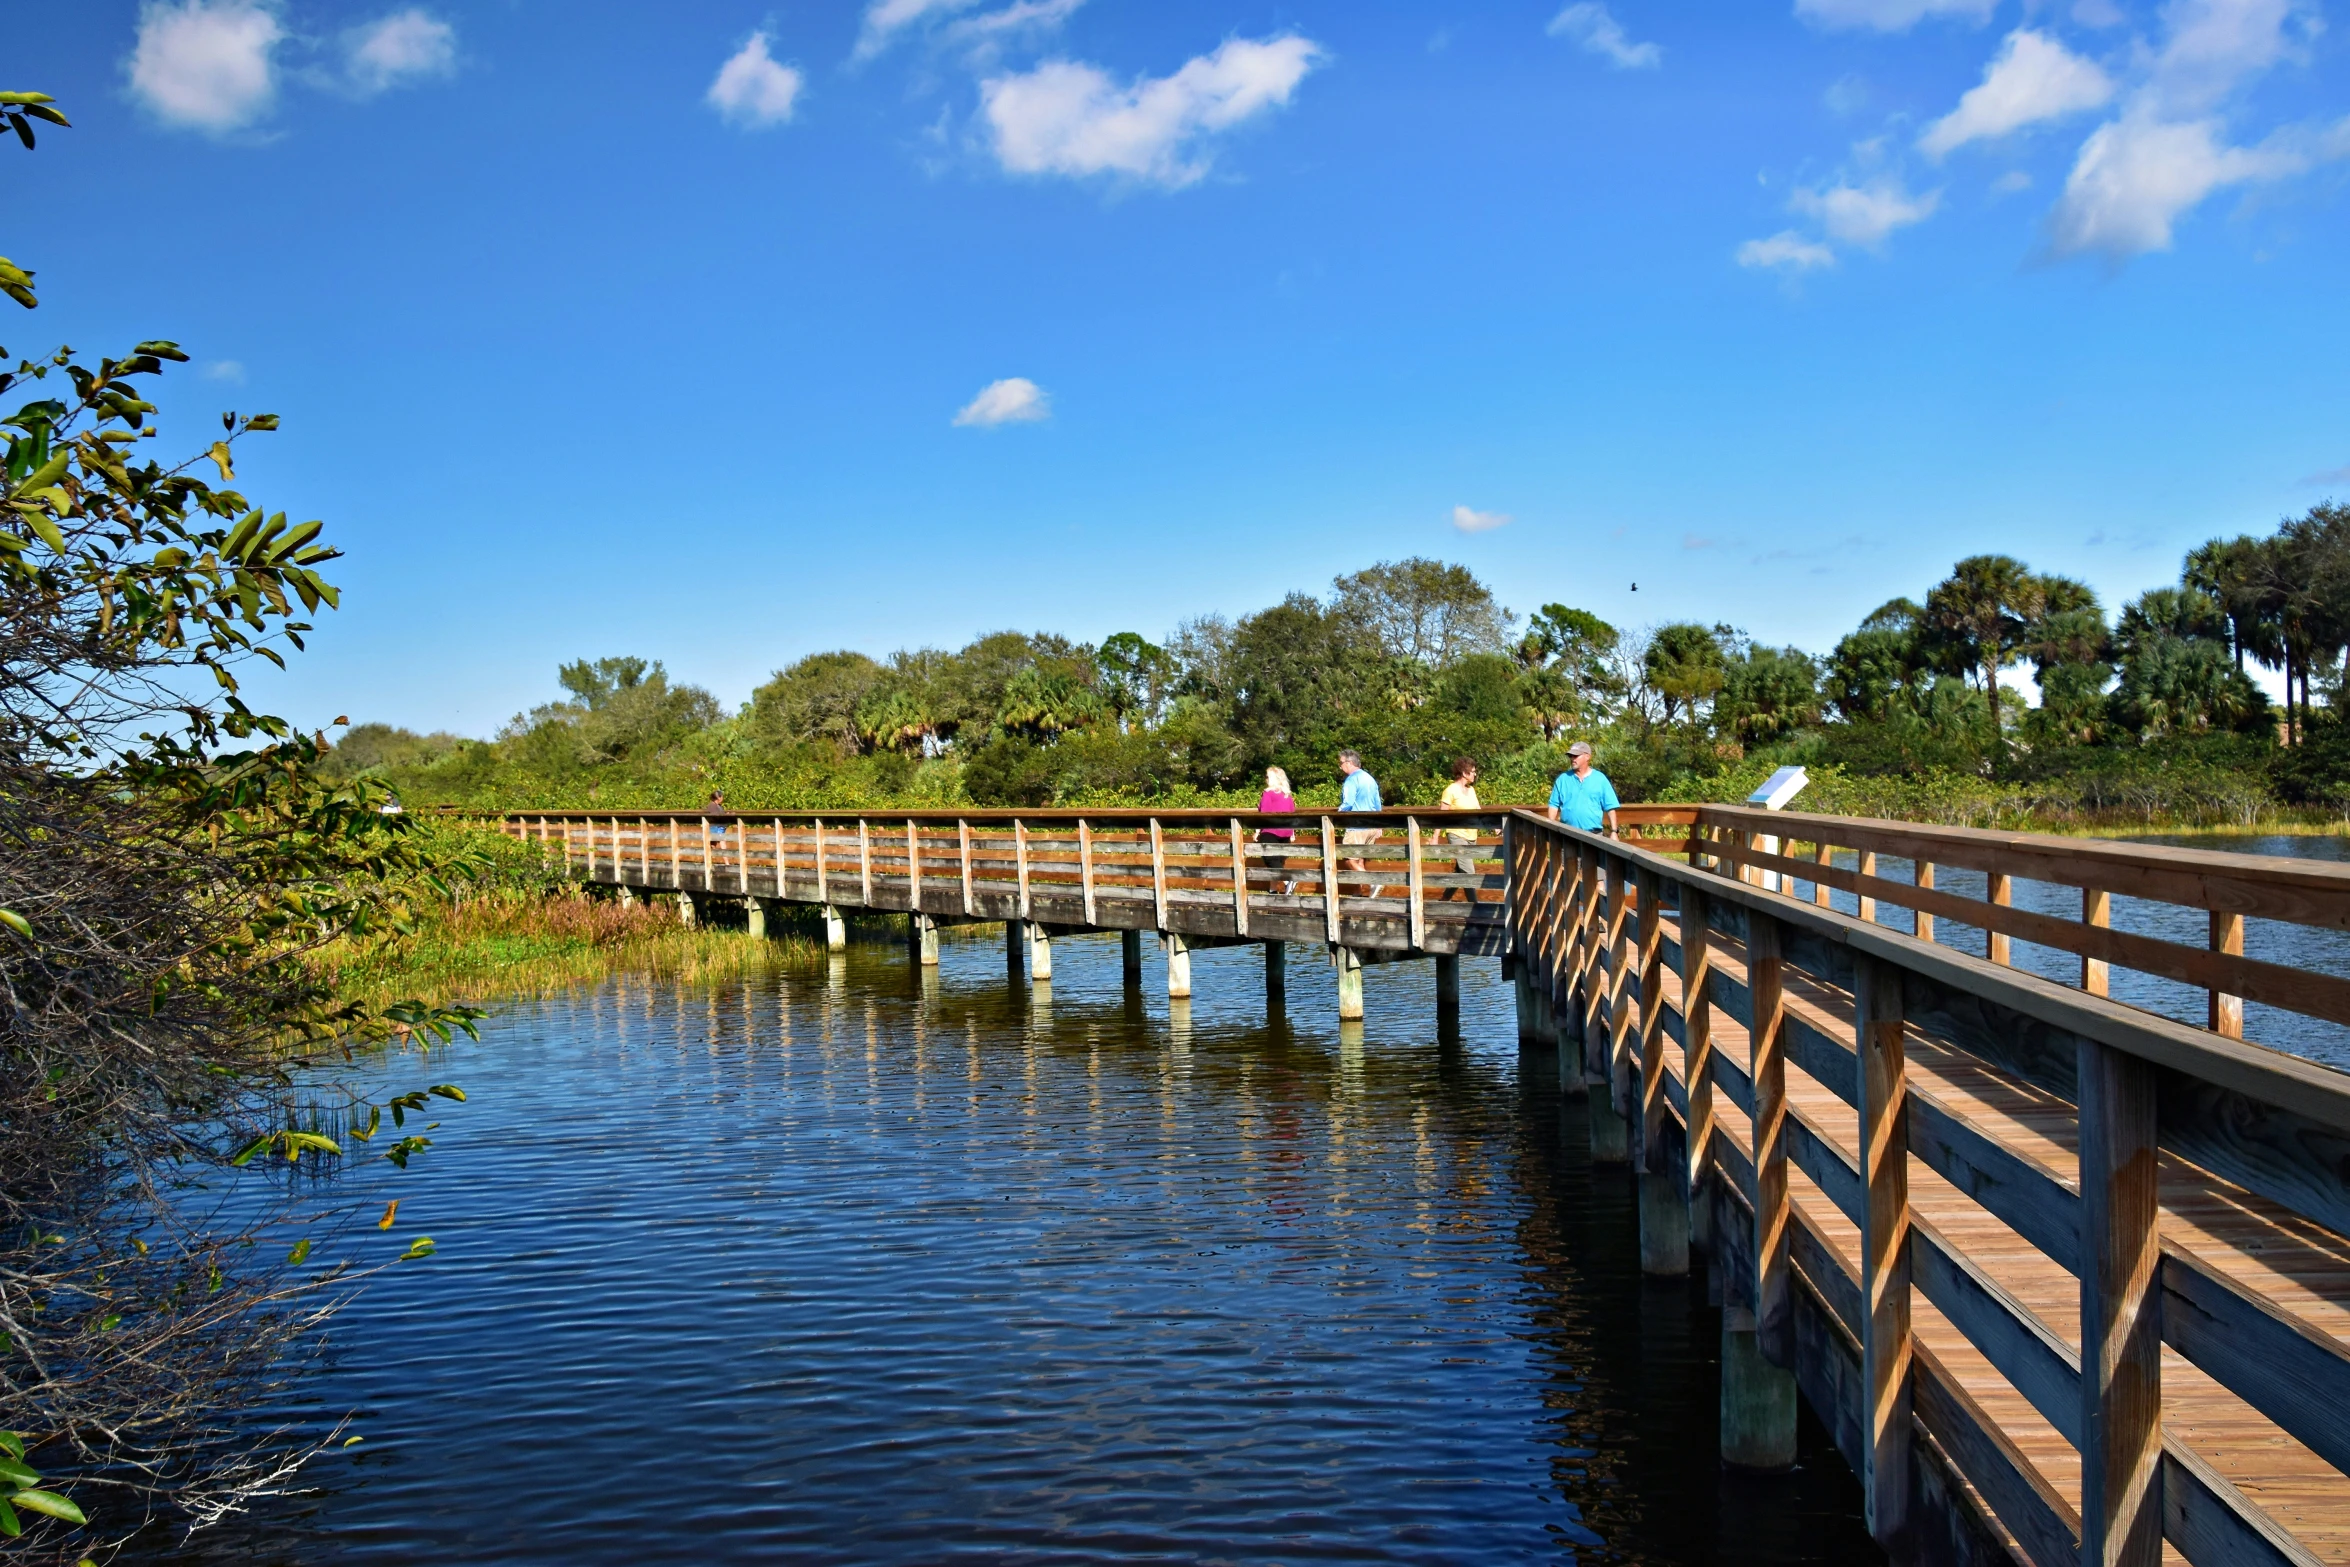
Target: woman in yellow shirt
[1461,795]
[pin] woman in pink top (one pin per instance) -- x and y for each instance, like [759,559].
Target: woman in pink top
[1276,798]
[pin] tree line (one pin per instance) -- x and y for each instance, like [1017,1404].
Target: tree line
[1416,662]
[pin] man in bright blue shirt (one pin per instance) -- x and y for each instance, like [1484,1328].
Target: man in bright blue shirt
[1358,791]
[1583,797]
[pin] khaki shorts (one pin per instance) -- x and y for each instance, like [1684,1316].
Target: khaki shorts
[1362,834]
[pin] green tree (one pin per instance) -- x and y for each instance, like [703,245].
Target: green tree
[1136,677]
[1423,611]
[815,700]
[1303,673]
[1768,694]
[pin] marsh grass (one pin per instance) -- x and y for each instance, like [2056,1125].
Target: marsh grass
[508,945]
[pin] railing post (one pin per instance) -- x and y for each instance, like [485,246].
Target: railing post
[2121,1312]
[963,842]
[823,889]
[1330,881]
[2227,938]
[2097,914]
[865,861]
[1697,1058]
[1419,918]
[676,864]
[1020,856]
[1591,970]
[1085,875]
[1611,1133]
[1866,866]
[1664,1214]
[1822,854]
[1925,921]
[914,867]
[781,866]
[1239,880]
[1884,1244]
[1758,1336]
[1999,895]
[1159,887]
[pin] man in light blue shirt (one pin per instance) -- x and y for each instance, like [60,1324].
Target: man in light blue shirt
[1358,791]
[1583,797]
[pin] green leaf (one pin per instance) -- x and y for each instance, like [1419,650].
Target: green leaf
[17,922]
[420,1247]
[24,130]
[17,1474]
[252,1148]
[12,1444]
[47,532]
[48,473]
[301,1252]
[8,1524]
[51,1503]
[12,99]
[449,1091]
[262,422]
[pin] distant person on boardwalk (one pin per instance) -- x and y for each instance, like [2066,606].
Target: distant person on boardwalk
[716,812]
[1358,791]
[1461,795]
[1277,798]
[1583,797]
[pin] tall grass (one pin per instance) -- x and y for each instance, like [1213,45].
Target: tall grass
[512,944]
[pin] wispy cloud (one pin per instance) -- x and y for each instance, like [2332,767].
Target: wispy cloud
[2339,475]
[1013,400]
[1067,117]
[2168,150]
[403,47]
[1589,25]
[206,64]
[2031,80]
[1865,215]
[1889,16]
[228,370]
[1469,520]
[886,21]
[752,89]
[1786,251]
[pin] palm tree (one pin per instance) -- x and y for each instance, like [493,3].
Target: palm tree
[1979,618]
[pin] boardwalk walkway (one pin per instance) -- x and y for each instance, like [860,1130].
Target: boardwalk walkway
[1912,1172]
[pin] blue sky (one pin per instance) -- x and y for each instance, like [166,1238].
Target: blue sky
[723,333]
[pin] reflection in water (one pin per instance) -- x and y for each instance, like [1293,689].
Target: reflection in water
[851,1265]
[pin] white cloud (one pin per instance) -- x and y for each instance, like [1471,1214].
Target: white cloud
[2033,78]
[1589,25]
[206,63]
[1865,214]
[2136,177]
[402,47]
[1013,400]
[2339,475]
[887,20]
[1067,117]
[1890,16]
[752,89]
[1471,521]
[1786,251]
[225,370]
[2167,151]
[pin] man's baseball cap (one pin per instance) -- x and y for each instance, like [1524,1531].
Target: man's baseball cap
[1579,748]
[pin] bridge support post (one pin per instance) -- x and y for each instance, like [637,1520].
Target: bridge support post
[1130,955]
[836,930]
[1448,988]
[755,917]
[1522,985]
[922,939]
[1040,954]
[1611,1129]
[1349,964]
[1758,1399]
[627,896]
[1015,946]
[1178,954]
[1276,975]
[686,911]
[1664,1225]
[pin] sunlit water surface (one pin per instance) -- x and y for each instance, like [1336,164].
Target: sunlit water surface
[845,1266]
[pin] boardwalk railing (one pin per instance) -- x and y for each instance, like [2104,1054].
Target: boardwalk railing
[2066,1279]
[1425,882]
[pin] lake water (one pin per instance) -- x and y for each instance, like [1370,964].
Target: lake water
[844,1265]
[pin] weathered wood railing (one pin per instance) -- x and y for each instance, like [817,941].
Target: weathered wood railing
[2067,1279]
[1425,882]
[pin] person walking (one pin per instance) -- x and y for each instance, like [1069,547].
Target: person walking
[1583,797]
[1461,795]
[1358,791]
[1277,798]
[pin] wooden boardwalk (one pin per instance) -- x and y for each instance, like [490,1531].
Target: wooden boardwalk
[1913,1172]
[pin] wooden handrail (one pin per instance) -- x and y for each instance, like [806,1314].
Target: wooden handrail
[2276,1126]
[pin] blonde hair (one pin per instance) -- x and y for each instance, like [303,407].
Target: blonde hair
[1275,778]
